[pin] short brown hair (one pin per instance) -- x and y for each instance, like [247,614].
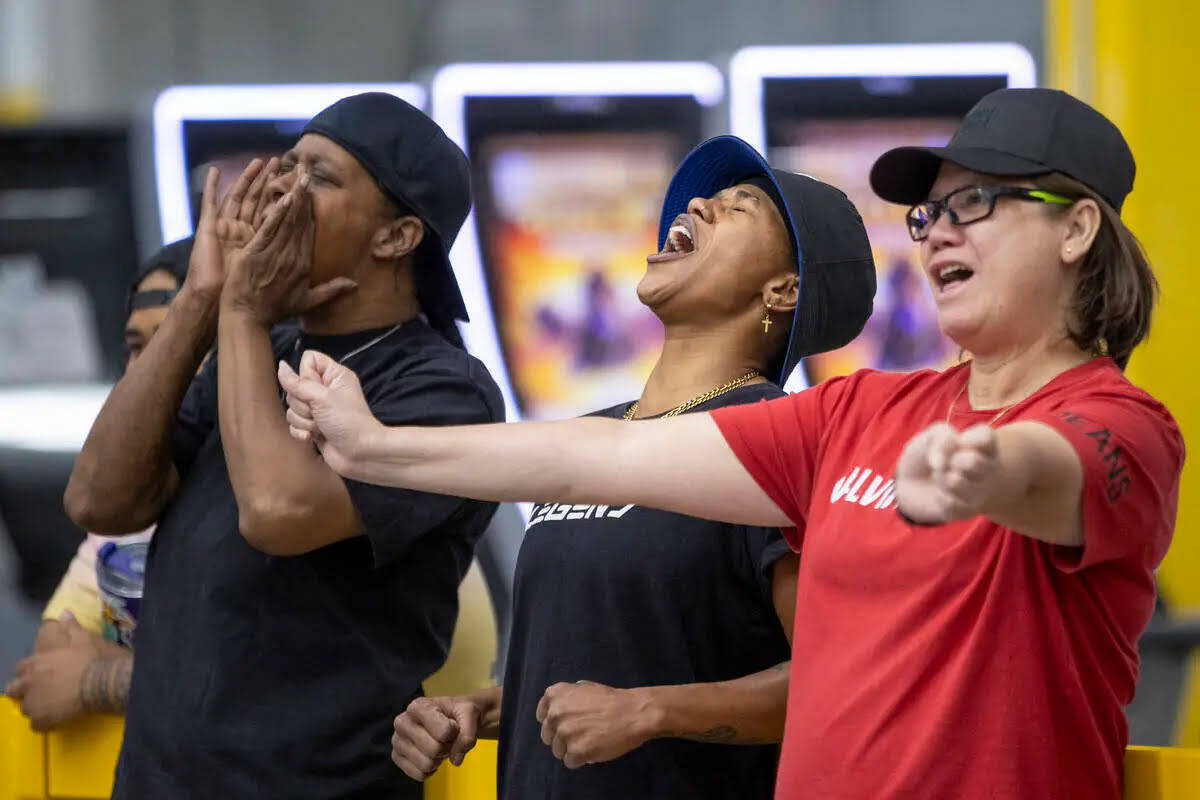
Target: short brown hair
[1116,292]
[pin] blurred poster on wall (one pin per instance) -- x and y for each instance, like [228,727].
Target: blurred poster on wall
[902,333]
[834,129]
[568,193]
[570,219]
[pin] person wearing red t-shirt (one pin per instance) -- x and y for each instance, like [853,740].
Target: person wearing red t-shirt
[979,544]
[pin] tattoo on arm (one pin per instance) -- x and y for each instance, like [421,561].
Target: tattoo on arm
[104,688]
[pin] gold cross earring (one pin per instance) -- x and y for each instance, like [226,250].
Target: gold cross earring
[766,320]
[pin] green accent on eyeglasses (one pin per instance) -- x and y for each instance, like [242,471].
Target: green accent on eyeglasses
[1050,197]
[921,217]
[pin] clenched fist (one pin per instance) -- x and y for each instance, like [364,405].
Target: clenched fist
[946,475]
[433,729]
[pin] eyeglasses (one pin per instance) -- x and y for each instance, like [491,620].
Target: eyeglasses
[971,204]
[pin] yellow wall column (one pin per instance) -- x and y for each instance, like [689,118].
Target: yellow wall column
[1135,61]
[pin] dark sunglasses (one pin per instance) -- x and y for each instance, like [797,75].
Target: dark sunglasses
[971,204]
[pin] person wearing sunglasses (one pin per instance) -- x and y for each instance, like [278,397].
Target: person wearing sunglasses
[977,546]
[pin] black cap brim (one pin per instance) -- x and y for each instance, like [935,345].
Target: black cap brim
[715,165]
[906,174]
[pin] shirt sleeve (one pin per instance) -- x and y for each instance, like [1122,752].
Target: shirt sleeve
[765,546]
[196,418]
[78,591]
[779,443]
[395,518]
[1132,454]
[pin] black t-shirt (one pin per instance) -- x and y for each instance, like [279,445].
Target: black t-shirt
[278,677]
[631,596]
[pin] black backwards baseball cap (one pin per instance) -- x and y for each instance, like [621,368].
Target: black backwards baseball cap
[1018,132]
[172,258]
[417,166]
[829,241]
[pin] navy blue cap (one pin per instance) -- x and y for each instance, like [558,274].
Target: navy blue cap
[417,165]
[829,240]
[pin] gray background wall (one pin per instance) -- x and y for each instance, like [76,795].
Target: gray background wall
[109,56]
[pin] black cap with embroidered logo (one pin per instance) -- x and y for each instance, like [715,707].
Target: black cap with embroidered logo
[1018,132]
[417,165]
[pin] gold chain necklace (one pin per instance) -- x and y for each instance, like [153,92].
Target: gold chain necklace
[704,398]
[991,421]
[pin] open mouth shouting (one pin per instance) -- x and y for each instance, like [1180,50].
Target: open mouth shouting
[680,241]
[949,278]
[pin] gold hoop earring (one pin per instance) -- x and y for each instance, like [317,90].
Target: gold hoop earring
[766,320]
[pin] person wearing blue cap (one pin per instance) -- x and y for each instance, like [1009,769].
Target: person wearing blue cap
[977,545]
[650,646]
[288,612]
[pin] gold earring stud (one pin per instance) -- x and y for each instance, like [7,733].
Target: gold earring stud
[766,320]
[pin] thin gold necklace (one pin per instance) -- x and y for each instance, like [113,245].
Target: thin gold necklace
[991,421]
[704,398]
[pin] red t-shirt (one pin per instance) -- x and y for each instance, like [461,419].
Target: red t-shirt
[963,660]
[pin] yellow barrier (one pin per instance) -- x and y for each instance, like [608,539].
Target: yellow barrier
[22,756]
[1162,773]
[474,780]
[77,763]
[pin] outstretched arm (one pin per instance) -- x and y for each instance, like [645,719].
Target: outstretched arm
[681,464]
[1024,476]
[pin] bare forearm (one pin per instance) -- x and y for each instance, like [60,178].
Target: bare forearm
[253,432]
[747,710]
[466,460]
[289,501]
[1038,485]
[121,479]
[682,465]
[262,458]
[104,688]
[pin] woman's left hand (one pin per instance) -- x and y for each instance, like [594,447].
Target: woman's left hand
[586,723]
[946,475]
